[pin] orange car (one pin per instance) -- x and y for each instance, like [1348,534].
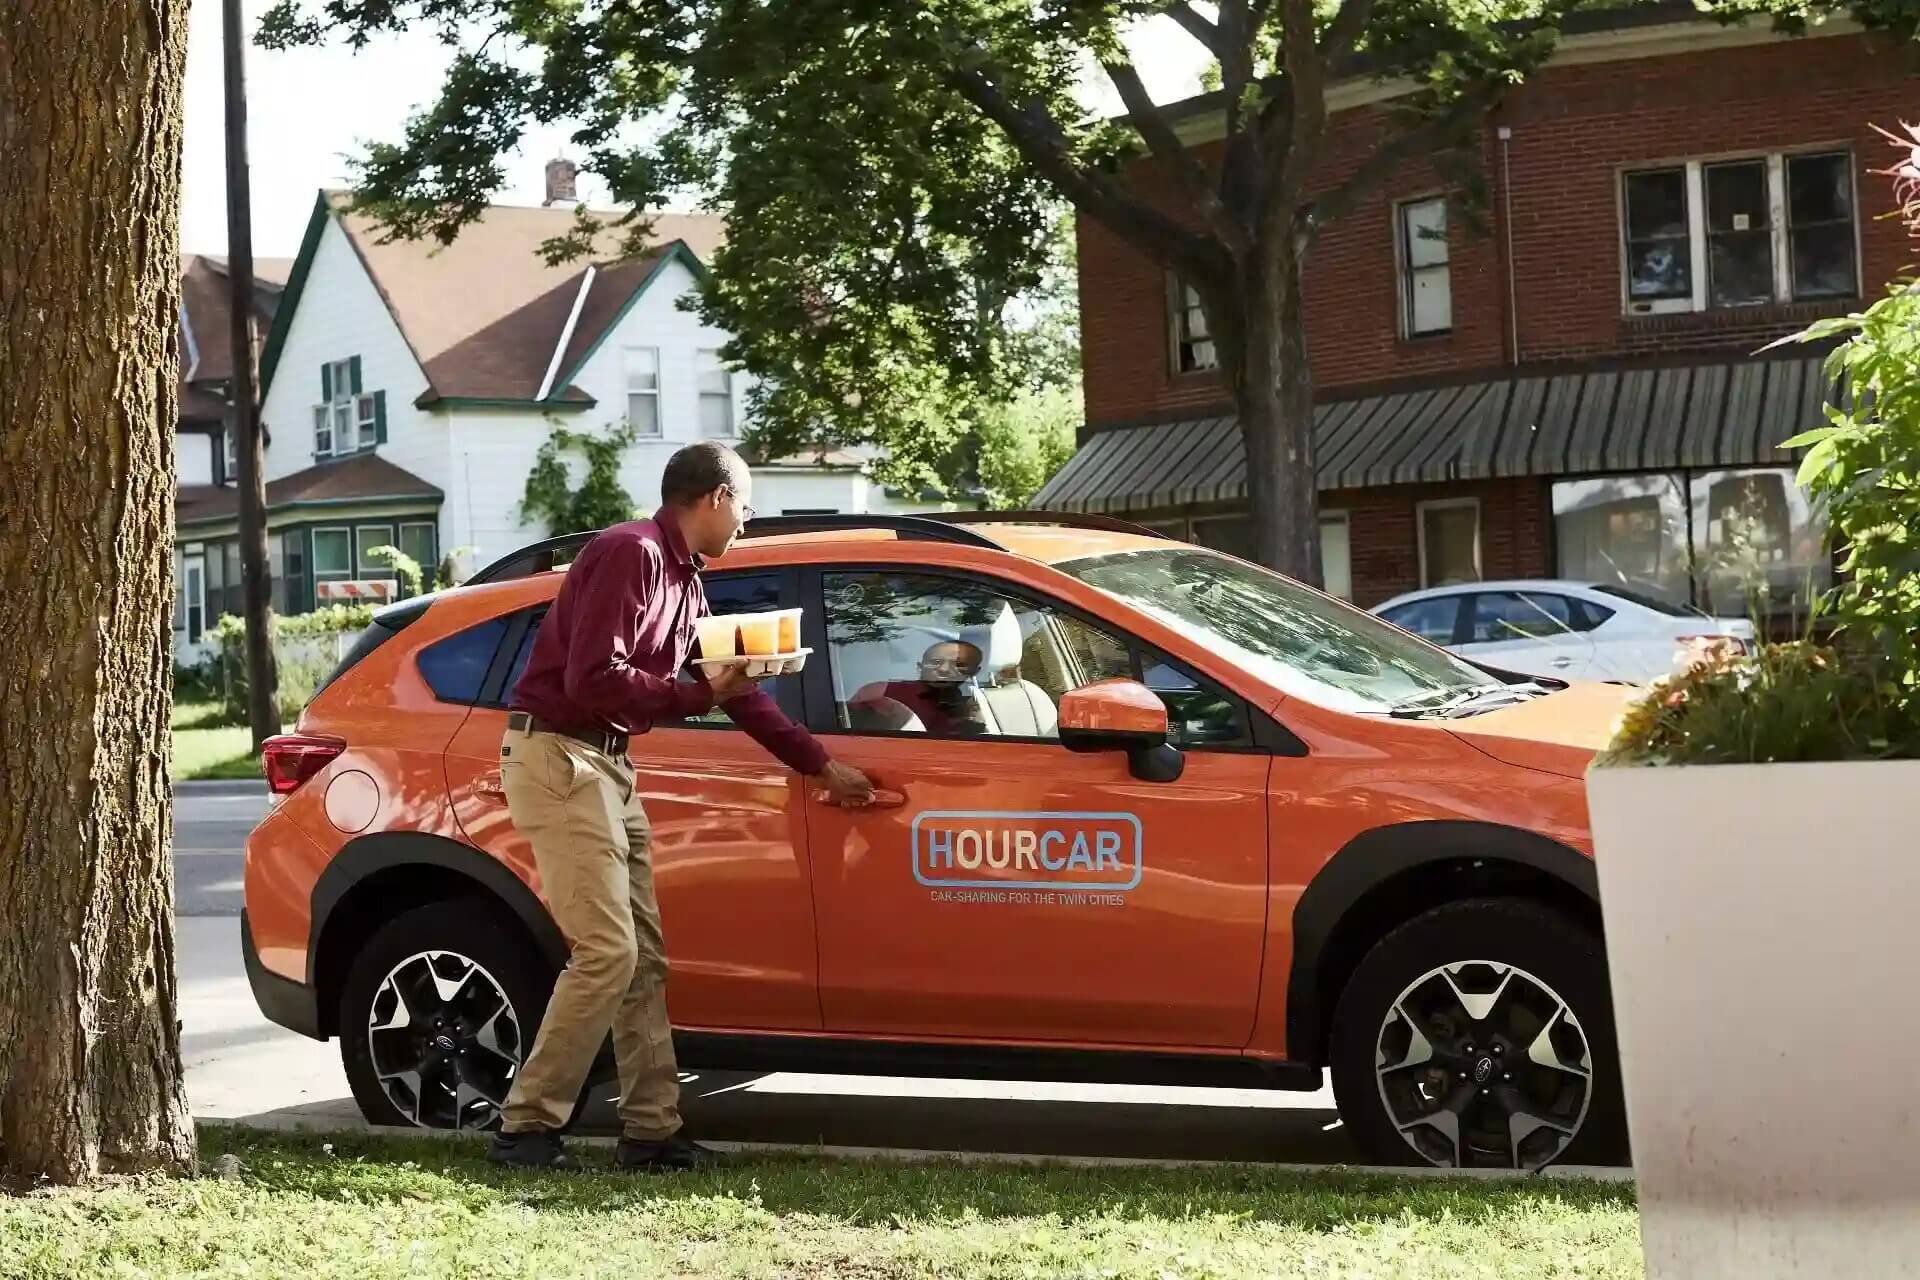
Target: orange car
[1147,813]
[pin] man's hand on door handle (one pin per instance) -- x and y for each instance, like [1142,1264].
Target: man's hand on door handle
[844,785]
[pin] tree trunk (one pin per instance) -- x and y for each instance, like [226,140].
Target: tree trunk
[90,119]
[1273,394]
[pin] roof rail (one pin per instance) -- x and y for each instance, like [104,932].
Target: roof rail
[1064,519]
[922,528]
[529,560]
[542,556]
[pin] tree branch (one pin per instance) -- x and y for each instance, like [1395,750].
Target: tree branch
[1196,26]
[1034,132]
[1291,151]
[1167,147]
[1344,32]
[1388,156]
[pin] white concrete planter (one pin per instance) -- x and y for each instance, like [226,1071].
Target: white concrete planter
[1763,939]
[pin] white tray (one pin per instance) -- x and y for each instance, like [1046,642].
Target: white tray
[772,664]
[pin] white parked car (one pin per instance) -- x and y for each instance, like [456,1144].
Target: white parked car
[1567,630]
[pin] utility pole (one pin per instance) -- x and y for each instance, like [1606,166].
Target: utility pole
[243,410]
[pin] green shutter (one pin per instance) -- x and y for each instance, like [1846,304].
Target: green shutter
[354,374]
[379,414]
[326,384]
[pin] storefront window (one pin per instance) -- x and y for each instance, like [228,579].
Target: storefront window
[1707,540]
[1630,531]
[1755,533]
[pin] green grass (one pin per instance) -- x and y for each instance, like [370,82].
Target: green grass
[368,1207]
[206,744]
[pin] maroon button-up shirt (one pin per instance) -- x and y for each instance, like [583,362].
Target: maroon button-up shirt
[608,651]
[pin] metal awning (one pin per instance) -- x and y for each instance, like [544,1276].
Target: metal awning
[1722,414]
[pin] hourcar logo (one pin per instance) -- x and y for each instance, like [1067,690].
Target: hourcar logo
[968,849]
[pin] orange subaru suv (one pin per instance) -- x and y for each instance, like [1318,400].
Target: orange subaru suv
[1146,813]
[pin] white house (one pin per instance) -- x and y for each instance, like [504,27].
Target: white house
[406,388]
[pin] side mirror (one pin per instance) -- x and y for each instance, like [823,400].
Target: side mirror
[1121,715]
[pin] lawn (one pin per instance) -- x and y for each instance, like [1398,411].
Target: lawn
[362,1207]
[206,744]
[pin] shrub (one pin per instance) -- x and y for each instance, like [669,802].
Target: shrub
[306,648]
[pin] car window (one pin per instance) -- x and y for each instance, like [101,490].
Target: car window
[1305,643]
[741,593]
[1198,715]
[1433,619]
[455,666]
[1647,600]
[915,653]
[1589,614]
[1513,615]
[521,654]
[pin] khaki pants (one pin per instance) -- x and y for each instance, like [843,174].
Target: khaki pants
[591,841]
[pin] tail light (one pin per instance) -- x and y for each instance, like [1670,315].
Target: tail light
[290,759]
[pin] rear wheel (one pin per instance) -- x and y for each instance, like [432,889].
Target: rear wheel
[438,1012]
[1480,1034]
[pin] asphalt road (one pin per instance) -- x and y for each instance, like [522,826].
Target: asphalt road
[239,1065]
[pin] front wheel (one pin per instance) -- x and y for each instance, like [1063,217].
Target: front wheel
[438,1012]
[1480,1035]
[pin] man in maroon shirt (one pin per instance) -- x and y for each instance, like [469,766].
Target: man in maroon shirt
[604,668]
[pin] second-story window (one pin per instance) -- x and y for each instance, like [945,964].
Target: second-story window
[347,419]
[1426,281]
[716,395]
[643,390]
[1192,340]
[1739,233]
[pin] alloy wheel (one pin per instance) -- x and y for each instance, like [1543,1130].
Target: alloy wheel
[1482,1064]
[444,1041]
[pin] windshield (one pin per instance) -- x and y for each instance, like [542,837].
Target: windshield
[1306,644]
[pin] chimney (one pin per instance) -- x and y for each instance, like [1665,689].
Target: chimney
[561,181]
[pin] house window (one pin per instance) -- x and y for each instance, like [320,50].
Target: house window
[292,581]
[421,541]
[643,390]
[1336,554]
[365,539]
[1820,226]
[1426,283]
[1193,349]
[193,593]
[1449,541]
[347,419]
[332,555]
[716,395]
[230,438]
[1739,233]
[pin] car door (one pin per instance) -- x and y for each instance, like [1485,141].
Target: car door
[1004,888]
[729,845]
[1532,632]
[1433,618]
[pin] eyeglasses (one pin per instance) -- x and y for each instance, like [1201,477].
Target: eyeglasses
[746,512]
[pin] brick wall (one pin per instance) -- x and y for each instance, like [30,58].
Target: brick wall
[1515,532]
[1573,128]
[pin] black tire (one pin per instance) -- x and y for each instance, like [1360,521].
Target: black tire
[1559,955]
[462,931]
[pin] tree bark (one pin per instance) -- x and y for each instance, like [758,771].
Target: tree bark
[90,121]
[1265,354]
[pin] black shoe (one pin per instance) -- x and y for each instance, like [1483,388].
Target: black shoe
[677,1152]
[533,1149]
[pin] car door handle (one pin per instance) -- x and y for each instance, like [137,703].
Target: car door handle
[490,786]
[881,800]
[1563,662]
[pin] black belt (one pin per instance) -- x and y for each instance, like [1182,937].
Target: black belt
[613,744]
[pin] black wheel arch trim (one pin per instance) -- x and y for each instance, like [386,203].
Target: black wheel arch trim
[368,855]
[287,1003]
[1378,856]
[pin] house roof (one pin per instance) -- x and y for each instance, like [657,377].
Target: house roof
[484,314]
[1721,413]
[366,477]
[205,293]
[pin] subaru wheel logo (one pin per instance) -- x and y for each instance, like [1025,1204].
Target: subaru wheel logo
[1482,1070]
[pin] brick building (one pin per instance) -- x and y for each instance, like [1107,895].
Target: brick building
[1574,388]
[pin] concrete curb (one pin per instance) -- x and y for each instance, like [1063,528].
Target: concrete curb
[221,787]
[891,1155]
